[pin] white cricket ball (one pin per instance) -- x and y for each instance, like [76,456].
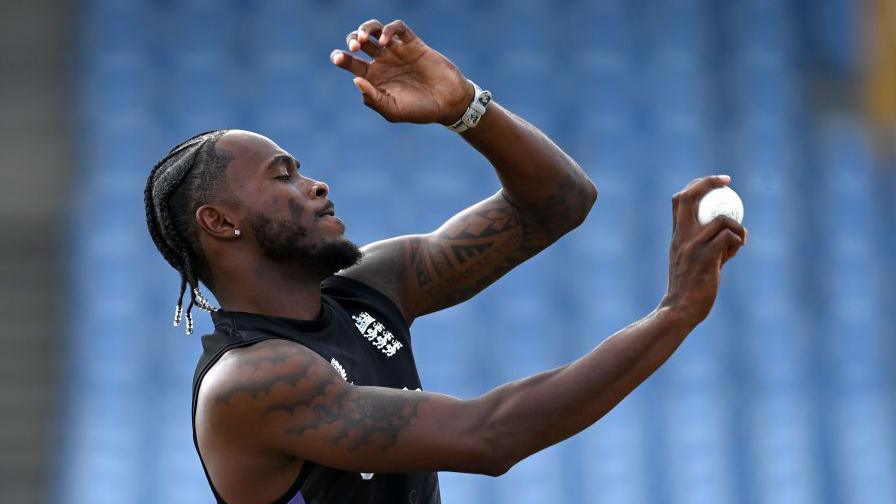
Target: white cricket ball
[721,201]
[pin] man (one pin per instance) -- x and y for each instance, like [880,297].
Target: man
[307,391]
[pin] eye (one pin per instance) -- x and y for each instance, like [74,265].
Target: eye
[286,177]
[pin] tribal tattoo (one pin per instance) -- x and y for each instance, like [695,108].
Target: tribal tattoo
[299,392]
[478,246]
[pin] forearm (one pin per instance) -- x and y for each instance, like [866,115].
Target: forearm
[537,176]
[529,415]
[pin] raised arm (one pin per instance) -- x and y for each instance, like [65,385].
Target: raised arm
[283,398]
[545,194]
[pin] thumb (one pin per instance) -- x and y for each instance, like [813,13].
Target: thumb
[371,95]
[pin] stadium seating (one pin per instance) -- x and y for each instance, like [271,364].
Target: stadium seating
[784,395]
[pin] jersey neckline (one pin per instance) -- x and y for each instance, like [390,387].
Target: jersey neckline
[248,321]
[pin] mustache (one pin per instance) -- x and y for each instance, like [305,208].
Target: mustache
[329,208]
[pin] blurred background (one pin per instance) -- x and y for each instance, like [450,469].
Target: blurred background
[786,394]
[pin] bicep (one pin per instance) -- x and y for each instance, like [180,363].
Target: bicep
[300,406]
[469,252]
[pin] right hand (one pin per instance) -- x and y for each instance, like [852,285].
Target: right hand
[406,80]
[698,252]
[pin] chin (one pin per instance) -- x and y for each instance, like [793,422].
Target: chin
[337,255]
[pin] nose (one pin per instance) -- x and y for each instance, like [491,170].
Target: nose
[319,189]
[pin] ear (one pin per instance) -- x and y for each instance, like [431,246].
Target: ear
[215,221]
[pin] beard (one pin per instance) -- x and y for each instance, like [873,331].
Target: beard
[282,243]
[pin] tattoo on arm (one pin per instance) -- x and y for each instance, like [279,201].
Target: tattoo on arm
[425,273]
[481,244]
[298,392]
[355,418]
[471,251]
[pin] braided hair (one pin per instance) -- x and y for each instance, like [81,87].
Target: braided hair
[189,176]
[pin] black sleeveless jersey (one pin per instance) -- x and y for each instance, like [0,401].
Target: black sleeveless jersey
[363,335]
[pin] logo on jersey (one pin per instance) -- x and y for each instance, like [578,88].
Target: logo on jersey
[376,334]
[339,369]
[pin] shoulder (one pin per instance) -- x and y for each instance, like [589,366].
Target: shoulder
[384,266]
[253,359]
[238,390]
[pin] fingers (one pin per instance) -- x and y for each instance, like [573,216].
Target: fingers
[349,62]
[371,28]
[373,38]
[715,226]
[724,237]
[698,187]
[364,38]
[396,30]
[685,202]
[725,245]
[368,46]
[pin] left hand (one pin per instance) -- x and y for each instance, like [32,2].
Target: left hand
[406,80]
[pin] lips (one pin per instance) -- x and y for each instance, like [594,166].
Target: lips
[329,209]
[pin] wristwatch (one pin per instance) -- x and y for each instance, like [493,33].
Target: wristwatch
[475,110]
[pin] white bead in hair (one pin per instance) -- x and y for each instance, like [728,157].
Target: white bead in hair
[178,312]
[201,302]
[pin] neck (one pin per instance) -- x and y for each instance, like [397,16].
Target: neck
[269,289]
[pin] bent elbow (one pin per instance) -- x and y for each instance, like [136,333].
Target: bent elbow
[499,467]
[493,462]
[497,456]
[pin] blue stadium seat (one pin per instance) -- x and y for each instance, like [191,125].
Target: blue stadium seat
[782,396]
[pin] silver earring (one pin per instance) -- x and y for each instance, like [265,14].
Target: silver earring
[236,232]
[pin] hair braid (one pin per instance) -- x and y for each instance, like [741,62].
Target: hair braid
[197,165]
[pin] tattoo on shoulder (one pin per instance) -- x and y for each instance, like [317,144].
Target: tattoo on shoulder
[302,394]
[261,367]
